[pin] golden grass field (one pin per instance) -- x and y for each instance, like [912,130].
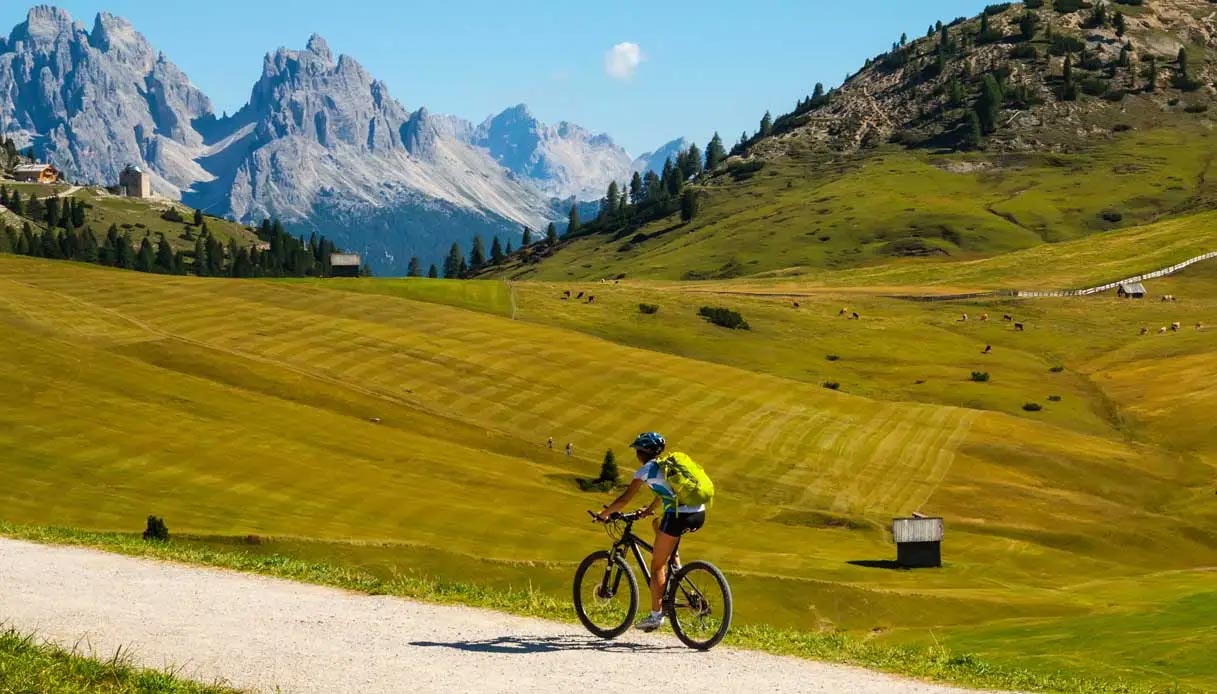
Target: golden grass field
[1080,538]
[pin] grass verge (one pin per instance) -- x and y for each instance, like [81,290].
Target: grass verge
[27,666]
[935,663]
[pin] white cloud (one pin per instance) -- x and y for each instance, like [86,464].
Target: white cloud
[622,60]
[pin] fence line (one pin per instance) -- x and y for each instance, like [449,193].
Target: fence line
[1112,285]
[1024,294]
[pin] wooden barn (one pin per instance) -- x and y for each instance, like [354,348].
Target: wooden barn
[345,264]
[37,173]
[918,541]
[1131,290]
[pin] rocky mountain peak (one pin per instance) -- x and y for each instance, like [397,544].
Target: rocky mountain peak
[44,25]
[318,46]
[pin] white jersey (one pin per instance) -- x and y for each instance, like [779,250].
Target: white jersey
[652,475]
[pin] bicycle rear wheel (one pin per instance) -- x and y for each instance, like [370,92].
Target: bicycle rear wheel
[606,595]
[699,605]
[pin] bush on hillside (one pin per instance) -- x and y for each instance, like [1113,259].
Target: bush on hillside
[1063,44]
[649,309]
[1057,369]
[610,476]
[1024,51]
[172,215]
[1033,407]
[980,376]
[156,530]
[724,317]
[1067,6]
[833,357]
[744,170]
[832,385]
[1054,398]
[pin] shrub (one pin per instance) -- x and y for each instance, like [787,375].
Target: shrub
[997,9]
[1066,6]
[1054,398]
[1196,108]
[1057,369]
[1094,86]
[1064,43]
[156,531]
[1033,407]
[1024,51]
[172,215]
[833,357]
[724,317]
[832,385]
[743,170]
[1112,216]
[649,309]
[980,376]
[1034,4]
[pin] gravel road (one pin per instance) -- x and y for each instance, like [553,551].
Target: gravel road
[258,633]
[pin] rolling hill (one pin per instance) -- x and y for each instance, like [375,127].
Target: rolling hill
[886,169]
[351,421]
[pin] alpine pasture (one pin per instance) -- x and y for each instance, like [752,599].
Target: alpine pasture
[399,426]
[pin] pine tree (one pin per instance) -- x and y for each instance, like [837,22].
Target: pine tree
[52,211]
[766,125]
[695,162]
[509,249]
[1027,25]
[198,218]
[48,245]
[464,268]
[7,238]
[415,268]
[27,245]
[164,257]
[200,257]
[608,206]
[496,251]
[1069,90]
[78,213]
[1121,24]
[3,195]
[433,272]
[956,93]
[452,264]
[715,152]
[608,469]
[652,187]
[551,232]
[688,205]
[1152,74]
[527,240]
[675,182]
[573,220]
[636,188]
[179,263]
[35,209]
[1125,58]
[88,247]
[975,134]
[145,259]
[14,204]
[988,107]
[477,256]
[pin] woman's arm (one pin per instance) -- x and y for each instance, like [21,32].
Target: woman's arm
[621,501]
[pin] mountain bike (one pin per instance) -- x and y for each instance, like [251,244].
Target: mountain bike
[697,599]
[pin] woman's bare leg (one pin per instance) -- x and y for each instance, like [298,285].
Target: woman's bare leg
[664,544]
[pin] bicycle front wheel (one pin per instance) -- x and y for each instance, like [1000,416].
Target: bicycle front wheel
[606,595]
[699,605]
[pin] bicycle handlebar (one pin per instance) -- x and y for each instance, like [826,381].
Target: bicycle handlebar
[627,517]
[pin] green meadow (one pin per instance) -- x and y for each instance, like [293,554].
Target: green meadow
[898,211]
[398,427]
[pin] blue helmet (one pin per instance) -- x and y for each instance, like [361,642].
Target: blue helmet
[650,443]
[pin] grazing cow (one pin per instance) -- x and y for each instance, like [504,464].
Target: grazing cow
[1018,327]
[580,295]
[566,294]
[1007,317]
[988,349]
[963,318]
[1144,331]
[1175,327]
[796,304]
[1162,330]
[1198,326]
[844,312]
[855,316]
[984,317]
[591,299]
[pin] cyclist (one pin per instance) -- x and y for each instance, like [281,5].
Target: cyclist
[676,521]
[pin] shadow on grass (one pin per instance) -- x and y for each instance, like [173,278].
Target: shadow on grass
[879,564]
[525,645]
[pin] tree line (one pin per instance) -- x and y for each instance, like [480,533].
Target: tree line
[67,235]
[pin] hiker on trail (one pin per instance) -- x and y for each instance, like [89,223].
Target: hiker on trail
[570,449]
[550,443]
[683,489]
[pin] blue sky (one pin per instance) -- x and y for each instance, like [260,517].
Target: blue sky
[705,66]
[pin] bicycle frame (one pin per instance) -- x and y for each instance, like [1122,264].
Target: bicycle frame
[637,546]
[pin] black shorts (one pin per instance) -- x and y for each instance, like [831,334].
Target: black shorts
[677,524]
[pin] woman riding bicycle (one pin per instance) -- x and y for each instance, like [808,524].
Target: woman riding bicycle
[677,520]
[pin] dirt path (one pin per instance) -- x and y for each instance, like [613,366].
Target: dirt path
[259,633]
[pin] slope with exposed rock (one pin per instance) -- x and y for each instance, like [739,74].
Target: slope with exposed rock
[1017,127]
